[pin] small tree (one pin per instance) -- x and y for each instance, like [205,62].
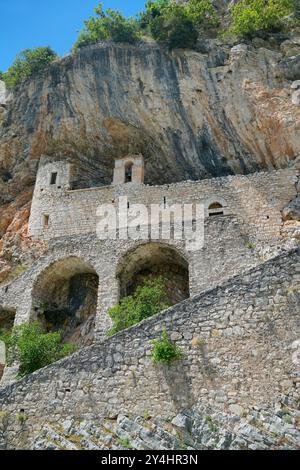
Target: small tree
[27,63]
[148,300]
[34,349]
[251,16]
[165,350]
[178,24]
[109,25]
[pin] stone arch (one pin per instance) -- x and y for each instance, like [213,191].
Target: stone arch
[64,297]
[152,259]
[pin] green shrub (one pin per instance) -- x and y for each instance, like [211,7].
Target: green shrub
[27,63]
[34,349]
[109,25]
[251,16]
[165,350]
[148,300]
[178,24]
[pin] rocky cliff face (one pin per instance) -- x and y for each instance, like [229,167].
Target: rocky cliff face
[222,110]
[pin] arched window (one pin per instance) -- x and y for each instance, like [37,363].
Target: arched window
[215,208]
[128,172]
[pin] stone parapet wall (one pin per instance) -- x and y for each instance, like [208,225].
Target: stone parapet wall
[237,342]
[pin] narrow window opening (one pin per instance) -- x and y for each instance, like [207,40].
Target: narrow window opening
[128,173]
[53,178]
[46,220]
[165,202]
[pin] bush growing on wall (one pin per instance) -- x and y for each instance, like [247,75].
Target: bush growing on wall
[148,300]
[251,16]
[165,350]
[109,25]
[34,349]
[27,63]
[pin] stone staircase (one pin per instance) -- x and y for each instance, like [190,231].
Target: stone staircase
[197,428]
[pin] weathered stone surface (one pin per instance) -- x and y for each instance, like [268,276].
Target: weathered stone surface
[93,385]
[207,429]
[220,112]
[2,93]
[292,210]
[291,67]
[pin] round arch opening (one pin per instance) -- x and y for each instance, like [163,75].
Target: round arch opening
[152,260]
[64,298]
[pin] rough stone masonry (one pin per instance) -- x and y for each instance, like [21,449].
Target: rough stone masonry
[238,342]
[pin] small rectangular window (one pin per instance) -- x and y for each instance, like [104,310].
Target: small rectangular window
[45,220]
[53,178]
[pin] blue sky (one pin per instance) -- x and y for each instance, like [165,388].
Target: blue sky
[30,23]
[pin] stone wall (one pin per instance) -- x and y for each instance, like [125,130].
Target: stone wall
[238,348]
[226,253]
[256,200]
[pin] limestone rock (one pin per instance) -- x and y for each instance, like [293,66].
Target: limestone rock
[291,67]
[296,98]
[295,85]
[291,47]
[292,210]
[192,115]
[2,93]
[236,409]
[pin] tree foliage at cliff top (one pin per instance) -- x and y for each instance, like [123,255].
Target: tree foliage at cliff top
[176,24]
[251,16]
[165,20]
[28,62]
[179,25]
[109,25]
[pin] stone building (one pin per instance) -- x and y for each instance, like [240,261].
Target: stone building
[81,276]
[223,293]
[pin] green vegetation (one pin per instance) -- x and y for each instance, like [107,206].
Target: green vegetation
[251,16]
[34,349]
[125,443]
[109,25]
[148,300]
[250,245]
[179,25]
[165,350]
[27,63]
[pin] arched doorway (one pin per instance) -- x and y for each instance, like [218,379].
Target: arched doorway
[64,298]
[151,260]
